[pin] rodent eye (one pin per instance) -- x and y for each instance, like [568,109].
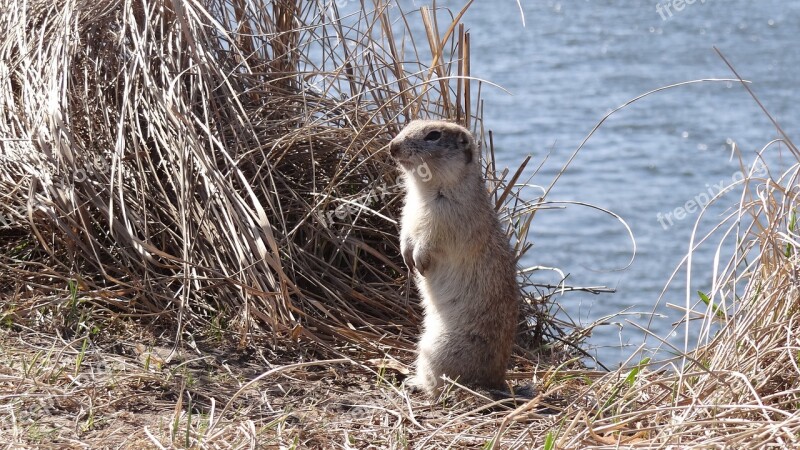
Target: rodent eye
[433,136]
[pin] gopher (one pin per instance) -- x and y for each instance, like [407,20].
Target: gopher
[459,256]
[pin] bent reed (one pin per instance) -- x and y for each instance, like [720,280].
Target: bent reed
[167,172]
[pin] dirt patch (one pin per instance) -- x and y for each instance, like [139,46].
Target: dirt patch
[80,393]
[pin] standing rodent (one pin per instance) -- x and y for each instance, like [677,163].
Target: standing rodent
[452,243]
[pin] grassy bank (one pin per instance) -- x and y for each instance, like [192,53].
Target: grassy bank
[199,247]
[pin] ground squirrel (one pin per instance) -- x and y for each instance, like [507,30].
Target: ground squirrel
[463,266]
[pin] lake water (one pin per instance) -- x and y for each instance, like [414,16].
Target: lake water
[566,68]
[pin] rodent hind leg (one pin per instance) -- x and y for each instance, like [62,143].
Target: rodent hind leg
[469,359]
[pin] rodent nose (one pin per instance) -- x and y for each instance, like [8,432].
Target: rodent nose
[394,148]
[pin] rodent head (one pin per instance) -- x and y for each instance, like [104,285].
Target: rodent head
[435,150]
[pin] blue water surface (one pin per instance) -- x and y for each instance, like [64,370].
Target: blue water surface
[574,61]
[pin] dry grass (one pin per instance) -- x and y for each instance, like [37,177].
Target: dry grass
[225,162]
[199,247]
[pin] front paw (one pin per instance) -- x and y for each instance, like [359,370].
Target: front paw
[408,256]
[422,260]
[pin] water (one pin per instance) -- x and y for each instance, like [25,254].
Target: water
[571,64]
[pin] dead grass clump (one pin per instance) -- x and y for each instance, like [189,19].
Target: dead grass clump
[177,175]
[222,164]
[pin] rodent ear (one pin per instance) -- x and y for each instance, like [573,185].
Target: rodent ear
[464,141]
